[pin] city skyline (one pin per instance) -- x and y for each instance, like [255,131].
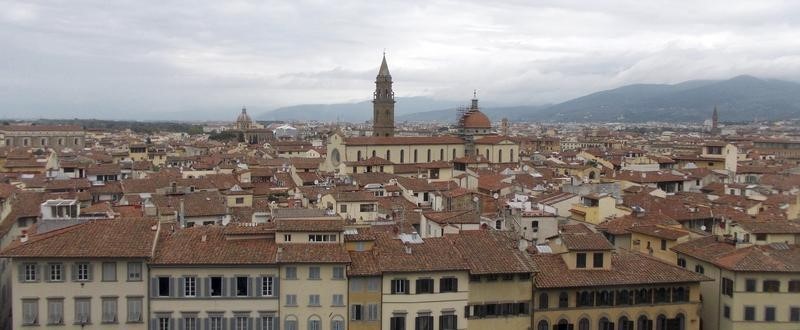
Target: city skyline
[110,60]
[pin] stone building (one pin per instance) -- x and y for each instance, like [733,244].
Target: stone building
[39,136]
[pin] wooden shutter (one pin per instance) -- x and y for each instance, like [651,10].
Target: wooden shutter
[259,288]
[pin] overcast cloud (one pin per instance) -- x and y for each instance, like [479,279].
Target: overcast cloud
[131,59]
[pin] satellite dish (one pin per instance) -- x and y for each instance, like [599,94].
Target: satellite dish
[316,182]
[703,228]
[475,199]
[319,196]
[495,196]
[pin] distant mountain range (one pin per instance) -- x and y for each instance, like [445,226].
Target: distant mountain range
[742,98]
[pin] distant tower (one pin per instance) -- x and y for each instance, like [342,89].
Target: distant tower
[504,126]
[383,103]
[714,120]
[243,122]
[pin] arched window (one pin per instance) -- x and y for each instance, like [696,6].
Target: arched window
[290,322]
[681,321]
[402,156]
[389,155]
[661,322]
[76,142]
[543,301]
[373,153]
[511,154]
[605,324]
[9,142]
[487,154]
[563,300]
[314,323]
[429,155]
[43,141]
[642,323]
[583,324]
[415,156]
[454,153]
[542,325]
[25,142]
[625,324]
[337,323]
[61,141]
[441,154]
[562,324]
[358,155]
[500,156]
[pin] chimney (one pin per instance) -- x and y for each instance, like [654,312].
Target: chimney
[24,237]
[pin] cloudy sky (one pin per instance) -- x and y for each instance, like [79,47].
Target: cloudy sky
[199,59]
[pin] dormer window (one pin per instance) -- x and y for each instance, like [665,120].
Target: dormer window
[580,260]
[597,261]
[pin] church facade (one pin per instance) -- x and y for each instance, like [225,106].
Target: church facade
[476,138]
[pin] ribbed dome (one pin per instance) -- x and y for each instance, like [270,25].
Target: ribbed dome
[476,119]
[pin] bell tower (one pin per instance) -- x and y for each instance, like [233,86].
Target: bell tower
[383,103]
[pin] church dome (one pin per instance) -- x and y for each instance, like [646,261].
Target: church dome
[474,119]
[243,121]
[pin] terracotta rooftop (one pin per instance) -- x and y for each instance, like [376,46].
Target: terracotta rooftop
[207,245]
[774,257]
[627,269]
[119,238]
[402,140]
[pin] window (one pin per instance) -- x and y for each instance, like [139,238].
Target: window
[761,237]
[313,300]
[397,322]
[321,238]
[83,272]
[400,287]
[291,273]
[267,286]
[55,311]
[543,325]
[597,260]
[29,272]
[291,300]
[374,284]
[267,323]
[190,286]
[772,286]
[583,324]
[189,323]
[216,286]
[448,284]
[338,273]
[56,272]
[663,245]
[134,271]
[288,238]
[343,208]
[314,324]
[356,313]
[402,156]
[215,323]
[508,277]
[749,313]
[109,272]
[563,300]
[241,286]
[109,310]
[367,207]
[580,261]
[338,300]
[726,311]
[30,312]
[448,322]
[423,322]
[241,323]
[424,285]
[83,311]
[372,312]
[794,314]
[543,301]
[163,286]
[699,269]
[134,310]
[769,314]
[313,273]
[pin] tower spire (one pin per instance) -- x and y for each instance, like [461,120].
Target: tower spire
[383,102]
[384,70]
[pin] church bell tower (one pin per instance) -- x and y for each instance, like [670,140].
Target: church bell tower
[383,103]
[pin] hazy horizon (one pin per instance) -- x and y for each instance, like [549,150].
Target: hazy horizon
[125,59]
